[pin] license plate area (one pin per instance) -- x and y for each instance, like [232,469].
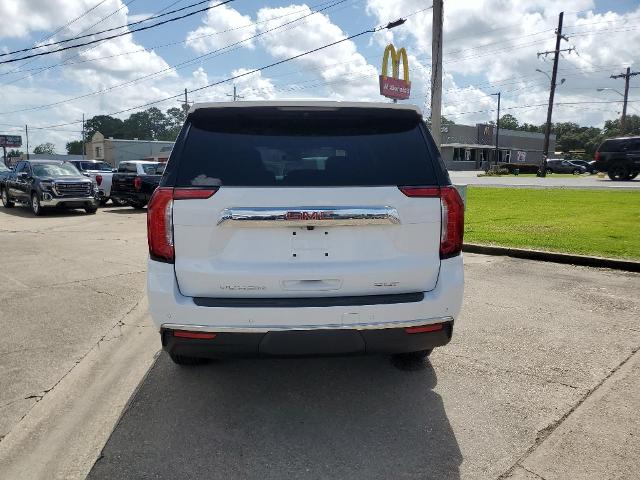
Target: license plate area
[310,243]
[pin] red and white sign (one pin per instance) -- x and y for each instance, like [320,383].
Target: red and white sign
[396,88]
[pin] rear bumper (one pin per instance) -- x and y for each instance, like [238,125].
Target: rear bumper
[171,310]
[137,197]
[343,341]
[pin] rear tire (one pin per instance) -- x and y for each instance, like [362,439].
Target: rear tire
[186,361]
[5,199]
[411,360]
[618,172]
[549,171]
[577,171]
[91,210]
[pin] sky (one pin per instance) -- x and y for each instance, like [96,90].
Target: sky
[489,46]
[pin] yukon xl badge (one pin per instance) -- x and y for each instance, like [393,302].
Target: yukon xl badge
[386,284]
[242,287]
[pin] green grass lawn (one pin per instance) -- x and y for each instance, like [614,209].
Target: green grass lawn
[591,222]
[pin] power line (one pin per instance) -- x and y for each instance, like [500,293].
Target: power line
[126,4]
[116,35]
[67,40]
[249,72]
[224,49]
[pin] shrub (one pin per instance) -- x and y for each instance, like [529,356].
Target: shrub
[523,167]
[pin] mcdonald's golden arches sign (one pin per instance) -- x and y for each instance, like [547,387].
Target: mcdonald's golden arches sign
[392,86]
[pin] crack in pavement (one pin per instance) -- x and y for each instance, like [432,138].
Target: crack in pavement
[80,281]
[532,472]
[508,370]
[544,433]
[39,397]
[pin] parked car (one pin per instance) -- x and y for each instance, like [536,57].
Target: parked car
[587,165]
[564,166]
[135,182]
[619,158]
[4,171]
[304,228]
[101,172]
[49,183]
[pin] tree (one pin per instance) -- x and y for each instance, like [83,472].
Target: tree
[150,124]
[14,153]
[105,124]
[632,127]
[175,118]
[48,148]
[74,147]
[509,122]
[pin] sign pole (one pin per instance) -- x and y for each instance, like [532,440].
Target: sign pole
[26,132]
[436,73]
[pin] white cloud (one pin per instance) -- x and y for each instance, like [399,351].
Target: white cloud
[337,66]
[222,26]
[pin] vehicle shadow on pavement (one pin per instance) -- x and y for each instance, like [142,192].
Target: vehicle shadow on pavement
[25,212]
[342,418]
[124,209]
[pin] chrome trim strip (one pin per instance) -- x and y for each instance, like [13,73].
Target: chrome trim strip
[308,216]
[329,326]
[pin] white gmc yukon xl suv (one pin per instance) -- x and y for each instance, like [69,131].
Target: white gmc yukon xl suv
[304,228]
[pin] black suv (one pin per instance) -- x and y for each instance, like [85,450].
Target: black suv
[48,183]
[619,157]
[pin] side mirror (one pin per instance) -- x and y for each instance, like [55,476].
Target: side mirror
[23,175]
[114,170]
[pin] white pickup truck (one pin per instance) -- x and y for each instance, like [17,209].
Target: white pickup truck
[303,228]
[101,172]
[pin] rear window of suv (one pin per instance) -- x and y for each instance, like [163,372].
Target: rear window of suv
[294,147]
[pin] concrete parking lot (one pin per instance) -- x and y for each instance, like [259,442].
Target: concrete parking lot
[540,381]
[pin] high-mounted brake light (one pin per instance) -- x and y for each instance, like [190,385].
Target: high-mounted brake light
[137,183]
[452,214]
[99,179]
[160,219]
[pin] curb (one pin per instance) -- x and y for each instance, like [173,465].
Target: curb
[565,258]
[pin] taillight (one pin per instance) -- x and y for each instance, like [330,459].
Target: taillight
[137,183]
[597,156]
[99,179]
[160,219]
[452,215]
[160,225]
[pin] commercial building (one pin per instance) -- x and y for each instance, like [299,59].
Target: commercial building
[115,150]
[466,147]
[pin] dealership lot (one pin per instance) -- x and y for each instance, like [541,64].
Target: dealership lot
[540,380]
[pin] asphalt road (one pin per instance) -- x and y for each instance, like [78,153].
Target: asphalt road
[550,181]
[540,381]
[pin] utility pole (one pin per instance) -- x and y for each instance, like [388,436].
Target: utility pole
[436,72]
[185,105]
[83,151]
[626,76]
[497,155]
[556,56]
[235,95]
[26,134]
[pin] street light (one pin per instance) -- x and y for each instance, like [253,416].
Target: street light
[562,80]
[603,89]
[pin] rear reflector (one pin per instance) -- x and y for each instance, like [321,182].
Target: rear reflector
[195,335]
[425,328]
